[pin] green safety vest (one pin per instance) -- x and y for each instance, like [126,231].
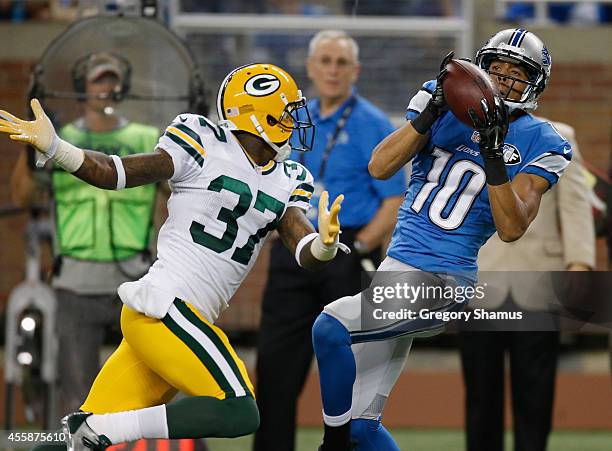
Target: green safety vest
[102,225]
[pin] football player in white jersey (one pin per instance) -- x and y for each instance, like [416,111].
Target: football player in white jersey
[230,187]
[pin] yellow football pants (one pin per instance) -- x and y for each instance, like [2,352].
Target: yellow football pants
[156,358]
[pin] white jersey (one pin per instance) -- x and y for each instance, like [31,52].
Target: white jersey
[222,208]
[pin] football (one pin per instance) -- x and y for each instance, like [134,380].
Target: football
[465,85]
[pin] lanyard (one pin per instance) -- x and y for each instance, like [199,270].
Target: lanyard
[331,142]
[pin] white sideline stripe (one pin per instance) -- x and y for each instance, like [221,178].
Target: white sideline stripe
[338,420]
[210,347]
[551,163]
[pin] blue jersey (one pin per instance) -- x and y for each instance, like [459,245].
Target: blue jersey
[446,216]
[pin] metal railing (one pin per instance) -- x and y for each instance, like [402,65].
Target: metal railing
[397,53]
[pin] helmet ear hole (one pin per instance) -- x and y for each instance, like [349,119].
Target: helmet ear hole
[271,121]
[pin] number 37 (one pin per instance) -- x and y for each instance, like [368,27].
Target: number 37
[263,202]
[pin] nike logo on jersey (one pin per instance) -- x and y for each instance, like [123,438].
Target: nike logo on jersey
[511,155]
[567,150]
[183,119]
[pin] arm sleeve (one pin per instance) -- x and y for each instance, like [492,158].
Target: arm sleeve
[184,144]
[303,187]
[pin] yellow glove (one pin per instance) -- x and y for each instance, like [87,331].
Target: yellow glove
[326,244]
[41,134]
[329,225]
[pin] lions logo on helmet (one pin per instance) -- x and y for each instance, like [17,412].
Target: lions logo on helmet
[521,47]
[264,100]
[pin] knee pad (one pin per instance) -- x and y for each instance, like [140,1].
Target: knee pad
[328,332]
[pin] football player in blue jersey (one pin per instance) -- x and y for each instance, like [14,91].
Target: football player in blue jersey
[466,184]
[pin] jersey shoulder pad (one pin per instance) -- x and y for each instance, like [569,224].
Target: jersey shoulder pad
[297,172]
[549,153]
[195,124]
[184,139]
[195,134]
[302,184]
[546,138]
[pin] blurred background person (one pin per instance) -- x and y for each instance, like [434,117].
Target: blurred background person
[101,237]
[562,237]
[22,10]
[348,127]
[574,13]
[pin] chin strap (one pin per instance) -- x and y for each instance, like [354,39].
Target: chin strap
[282,152]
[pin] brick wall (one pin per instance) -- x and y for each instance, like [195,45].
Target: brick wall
[14,77]
[581,95]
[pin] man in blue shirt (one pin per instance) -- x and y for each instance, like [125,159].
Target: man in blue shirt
[466,183]
[348,127]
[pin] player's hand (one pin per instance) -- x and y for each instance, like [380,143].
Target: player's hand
[437,104]
[493,129]
[39,132]
[329,224]
[437,98]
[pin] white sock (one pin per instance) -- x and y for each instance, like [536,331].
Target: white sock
[131,425]
[339,420]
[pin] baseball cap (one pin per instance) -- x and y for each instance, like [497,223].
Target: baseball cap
[101,63]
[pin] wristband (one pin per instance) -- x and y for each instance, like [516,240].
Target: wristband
[323,252]
[303,242]
[120,172]
[320,251]
[423,122]
[495,171]
[68,156]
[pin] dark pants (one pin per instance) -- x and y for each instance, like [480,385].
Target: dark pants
[533,365]
[83,321]
[292,301]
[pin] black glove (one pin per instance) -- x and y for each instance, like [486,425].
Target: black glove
[436,105]
[492,133]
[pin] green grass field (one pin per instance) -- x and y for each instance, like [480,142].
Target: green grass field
[437,439]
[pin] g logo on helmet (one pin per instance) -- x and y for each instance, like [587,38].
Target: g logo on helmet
[262,85]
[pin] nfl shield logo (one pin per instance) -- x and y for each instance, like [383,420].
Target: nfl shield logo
[511,155]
